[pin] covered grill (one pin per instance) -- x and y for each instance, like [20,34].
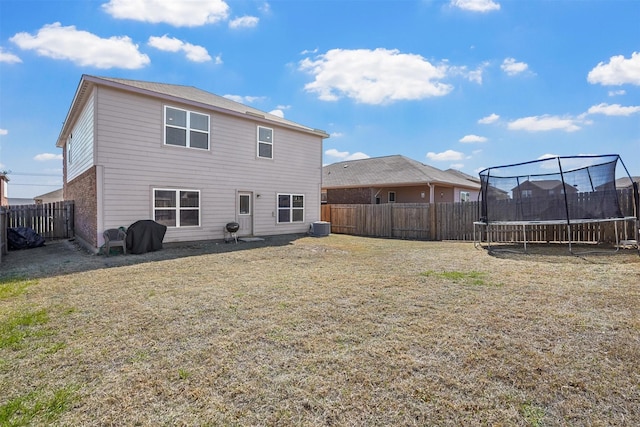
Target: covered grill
[231,232]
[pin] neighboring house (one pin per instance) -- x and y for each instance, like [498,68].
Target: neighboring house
[51,197]
[186,158]
[542,189]
[624,183]
[394,179]
[4,188]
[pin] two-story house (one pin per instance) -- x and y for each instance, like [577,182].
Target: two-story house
[185,158]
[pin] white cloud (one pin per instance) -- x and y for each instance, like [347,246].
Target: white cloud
[449,155]
[170,44]
[82,48]
[244,99]
[617,71]
[265,8]
[9,58]
[617,92]
[278,113]
[345,155]
[473,75]
[4,132]
[545,123]
[374,76]
[613,110]
[491,118]
[476,5]
[244,22]
[469,139]
[512,67]
[47,156]
[176,13]
[337,134]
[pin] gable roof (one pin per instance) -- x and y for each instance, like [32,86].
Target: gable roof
[55,194]
[175,93]
[546,184]
[393,170]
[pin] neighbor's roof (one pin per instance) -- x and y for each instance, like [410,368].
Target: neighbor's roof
[176,93]
[387,171]
[55,194]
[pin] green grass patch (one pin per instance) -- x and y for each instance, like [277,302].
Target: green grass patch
[532,414]
[14,286]
[468,278]
[17,327]
[36,407]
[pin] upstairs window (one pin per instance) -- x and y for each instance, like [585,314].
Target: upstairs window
[176,208]
[186,128]
[265,142]
[525,194]
[290,208]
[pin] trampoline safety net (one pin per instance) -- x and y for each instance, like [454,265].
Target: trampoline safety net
[552,189]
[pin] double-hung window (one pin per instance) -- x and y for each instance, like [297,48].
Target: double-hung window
[265,142]
[465,196]
[186,128]
[290,208]
[176,208]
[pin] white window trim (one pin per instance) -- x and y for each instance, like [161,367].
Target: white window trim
[177,208]
[258,142]
[290,208]
[69,150]
[187,128]
[240,196]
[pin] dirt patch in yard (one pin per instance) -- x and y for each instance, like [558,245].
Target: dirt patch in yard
[339,330]
[66,256]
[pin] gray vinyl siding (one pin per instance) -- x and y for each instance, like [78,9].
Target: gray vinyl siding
[134,160]
[82,141]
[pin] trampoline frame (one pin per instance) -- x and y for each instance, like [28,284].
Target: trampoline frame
[489,228]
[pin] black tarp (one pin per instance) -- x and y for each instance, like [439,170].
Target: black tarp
[24,238]
[145,236]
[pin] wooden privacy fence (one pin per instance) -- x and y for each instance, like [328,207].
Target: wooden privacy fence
[454,221]
[50,220]
[422,221]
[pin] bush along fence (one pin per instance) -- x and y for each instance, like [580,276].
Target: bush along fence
[454,221]
[50,220]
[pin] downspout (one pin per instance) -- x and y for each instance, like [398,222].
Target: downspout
[432,191]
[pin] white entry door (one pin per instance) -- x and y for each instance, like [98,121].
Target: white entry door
[245,213]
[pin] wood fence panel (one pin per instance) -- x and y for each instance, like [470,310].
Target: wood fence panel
[454,221]
[50,220]
[4,245]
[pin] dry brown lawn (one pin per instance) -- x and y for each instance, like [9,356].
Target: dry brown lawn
[339,330]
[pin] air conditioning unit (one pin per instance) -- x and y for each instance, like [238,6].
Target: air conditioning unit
[320,228]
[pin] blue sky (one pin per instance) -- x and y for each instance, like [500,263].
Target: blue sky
[465,84]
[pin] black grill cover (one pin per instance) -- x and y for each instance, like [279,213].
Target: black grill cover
[145,236]
[24,238]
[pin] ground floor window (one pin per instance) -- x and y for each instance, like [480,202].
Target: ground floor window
[465,196]
[290,208]
[176,207]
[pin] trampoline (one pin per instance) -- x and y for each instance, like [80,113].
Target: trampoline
[554,200]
